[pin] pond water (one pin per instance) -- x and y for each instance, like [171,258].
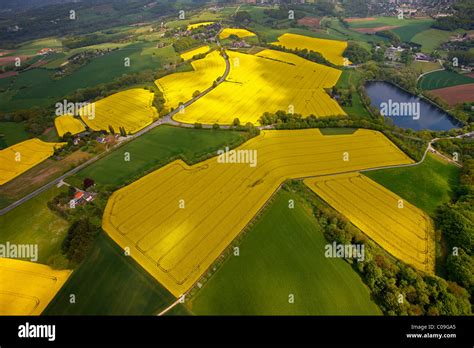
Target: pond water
[407,110]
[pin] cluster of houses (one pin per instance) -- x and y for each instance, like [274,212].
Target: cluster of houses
[392,54]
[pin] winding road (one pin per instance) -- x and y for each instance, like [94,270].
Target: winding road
[168,119]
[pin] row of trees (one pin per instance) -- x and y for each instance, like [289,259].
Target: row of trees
[397,288]
[356,54]
[456,220]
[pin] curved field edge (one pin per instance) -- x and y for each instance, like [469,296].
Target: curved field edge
[426,185]
[283,254]
[442,79]
[110,283]
[202,240]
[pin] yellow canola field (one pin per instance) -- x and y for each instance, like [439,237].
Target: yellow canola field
[332,50]
[26,288]
[241,33]
[18,158]
[191,53]
[178,219]
[68,124]
[131,109]
[269,81]
[407,233]
[179,87]
[197,25]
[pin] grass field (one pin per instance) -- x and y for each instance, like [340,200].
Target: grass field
[407,28]
[109,283]
[430,39]
[424,67]
[405,231]
[441,79]
[282,254]
[37,88]
[176,231]
[351,77]
[32,47]
[407,32]
[27,287]
[12,133]
[60,58]
[156,148]
[339,32]
[425,186]
[33,223]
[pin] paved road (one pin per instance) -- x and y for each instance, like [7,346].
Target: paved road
[168,119]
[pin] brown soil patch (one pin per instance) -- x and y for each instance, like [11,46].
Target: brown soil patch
[374,30]
[11,59]
[41,174]
[4,52]
[8,74]
[456,94]
[309,22]
[359,19]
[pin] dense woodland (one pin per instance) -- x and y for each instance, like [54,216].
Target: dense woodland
[456,219]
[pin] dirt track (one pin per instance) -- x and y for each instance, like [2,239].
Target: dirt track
[374,30]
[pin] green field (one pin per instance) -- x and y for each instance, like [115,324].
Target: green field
[340,32]
[33,223]
[351,77]
[36,87]
[430,39]
[408,31]
[441,79]
[110,283]
[426,186]
[61,58]
[157,148]
[32,47]
[407,28]
[12,133]
[424,67]
[203,16]
[283,254]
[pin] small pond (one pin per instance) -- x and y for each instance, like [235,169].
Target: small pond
[407,110]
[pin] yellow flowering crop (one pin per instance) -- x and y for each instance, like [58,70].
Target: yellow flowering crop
[332,50]
[403,230]
[241,33]
[68,124]
[18,158]
[191,53]
[26,288]
[131,109]
[179,87]
[197,25]
[178,219]
[269,81]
